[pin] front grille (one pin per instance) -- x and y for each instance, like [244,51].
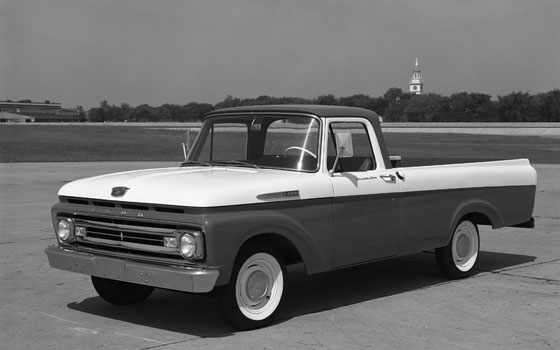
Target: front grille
[124,236]
[128,229]
[119,232]
[129,237]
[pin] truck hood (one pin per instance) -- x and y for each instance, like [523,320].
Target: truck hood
[194,186]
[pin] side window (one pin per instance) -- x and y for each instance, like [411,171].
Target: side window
[362,159]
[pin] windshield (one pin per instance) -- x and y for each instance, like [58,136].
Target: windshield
[267,141]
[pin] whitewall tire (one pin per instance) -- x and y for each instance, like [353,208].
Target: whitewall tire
[459,257]
[257,285]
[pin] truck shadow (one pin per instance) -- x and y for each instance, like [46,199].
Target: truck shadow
[314,293]
[198,315]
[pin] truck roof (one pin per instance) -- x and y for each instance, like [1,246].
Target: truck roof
[318,110]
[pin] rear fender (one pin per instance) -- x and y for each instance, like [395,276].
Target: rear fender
[475,207]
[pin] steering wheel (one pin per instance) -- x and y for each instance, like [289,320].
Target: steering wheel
[301,149]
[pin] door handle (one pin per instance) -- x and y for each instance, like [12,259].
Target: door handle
[388,177]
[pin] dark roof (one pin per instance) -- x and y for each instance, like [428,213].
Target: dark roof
[318,110]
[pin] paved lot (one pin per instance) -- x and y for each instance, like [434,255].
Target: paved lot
[512,303]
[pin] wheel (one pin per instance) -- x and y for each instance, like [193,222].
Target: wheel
[458,258]
[301,149]
[120,293]
[257,285]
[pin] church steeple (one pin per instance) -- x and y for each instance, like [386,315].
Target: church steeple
[416,83]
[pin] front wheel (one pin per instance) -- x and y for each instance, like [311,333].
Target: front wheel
[257,285]
[458,258]
[120,293]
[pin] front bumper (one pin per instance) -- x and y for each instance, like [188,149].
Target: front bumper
[187,279]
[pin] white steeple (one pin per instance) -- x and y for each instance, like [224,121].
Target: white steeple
[416,83]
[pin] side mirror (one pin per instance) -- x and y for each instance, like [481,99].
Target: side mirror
[344,144]
[345,148]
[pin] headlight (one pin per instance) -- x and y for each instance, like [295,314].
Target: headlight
[191,245]
[64,230]
[188,245]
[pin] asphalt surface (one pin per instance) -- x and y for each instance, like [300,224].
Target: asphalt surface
[512,302]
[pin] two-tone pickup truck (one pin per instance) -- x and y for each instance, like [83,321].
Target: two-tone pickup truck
[267,186]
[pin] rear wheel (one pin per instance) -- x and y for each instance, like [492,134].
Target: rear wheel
[257,285]
[458,258]
[120,293]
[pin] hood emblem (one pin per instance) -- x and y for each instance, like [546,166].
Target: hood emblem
[119,191]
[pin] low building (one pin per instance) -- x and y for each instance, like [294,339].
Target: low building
[6,117]
[40,111]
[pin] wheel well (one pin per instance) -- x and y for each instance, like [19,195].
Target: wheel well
[477,219]
[289,252]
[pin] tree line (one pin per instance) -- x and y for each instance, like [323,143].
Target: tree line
[394,106]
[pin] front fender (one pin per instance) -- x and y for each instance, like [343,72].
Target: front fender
[309,230]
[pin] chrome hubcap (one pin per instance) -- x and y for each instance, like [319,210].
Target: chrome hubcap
[463,246]
[257,286]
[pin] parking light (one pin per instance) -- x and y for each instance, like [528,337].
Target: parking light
[170,242]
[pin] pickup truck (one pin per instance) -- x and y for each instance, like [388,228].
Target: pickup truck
[263,187]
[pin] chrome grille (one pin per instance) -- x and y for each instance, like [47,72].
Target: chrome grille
[125,233]
[126,236]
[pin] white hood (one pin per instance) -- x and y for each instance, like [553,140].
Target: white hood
[195,186]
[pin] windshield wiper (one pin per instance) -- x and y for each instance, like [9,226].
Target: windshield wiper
[235,163]
[194,162]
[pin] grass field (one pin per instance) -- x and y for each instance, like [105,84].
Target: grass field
[64,143]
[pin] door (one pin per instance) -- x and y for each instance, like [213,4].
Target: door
[365,204]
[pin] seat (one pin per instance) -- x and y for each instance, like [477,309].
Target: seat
[366,165]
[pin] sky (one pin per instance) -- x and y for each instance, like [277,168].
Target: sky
[80,52]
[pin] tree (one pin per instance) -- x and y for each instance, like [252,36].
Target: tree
[467,107]
[392,96]
[378,105]
[394,105]
[547,106]
[326,100]
[125,112]
[229,101]
[515,107]
[160,114]
[481,108]
[194,111]
[423,108]
[143,113]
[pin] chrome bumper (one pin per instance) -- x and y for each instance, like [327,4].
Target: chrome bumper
[187,279]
